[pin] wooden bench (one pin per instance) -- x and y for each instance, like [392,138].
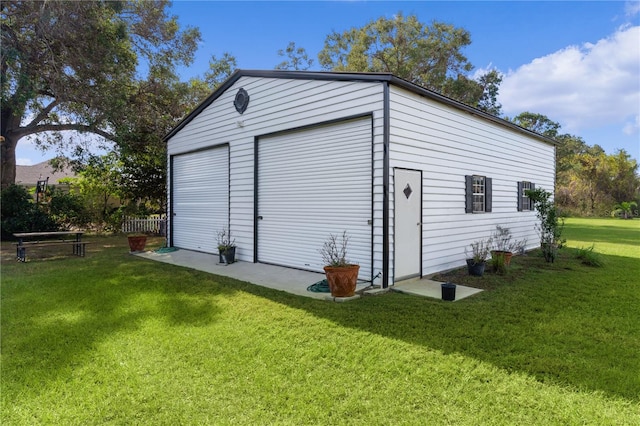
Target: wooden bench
[77,245]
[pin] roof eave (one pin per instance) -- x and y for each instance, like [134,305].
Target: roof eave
[351,76]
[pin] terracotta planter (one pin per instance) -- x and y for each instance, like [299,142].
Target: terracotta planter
[507,255]
[137,243]
[342,279]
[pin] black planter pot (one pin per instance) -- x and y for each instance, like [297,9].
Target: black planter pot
[448,291]
[475,269]
[228,256]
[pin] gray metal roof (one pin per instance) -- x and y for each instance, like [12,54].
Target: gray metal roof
[353,76]
[30,175]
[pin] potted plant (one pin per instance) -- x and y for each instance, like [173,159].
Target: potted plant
[342,275]
[477,260]
[226,247]
[503,247]
[137,242]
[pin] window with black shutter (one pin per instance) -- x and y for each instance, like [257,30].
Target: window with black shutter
[524,202]
[478,194]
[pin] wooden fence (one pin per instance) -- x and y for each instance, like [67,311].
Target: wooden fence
[150,225]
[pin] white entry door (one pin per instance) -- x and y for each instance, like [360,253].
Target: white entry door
[408,223]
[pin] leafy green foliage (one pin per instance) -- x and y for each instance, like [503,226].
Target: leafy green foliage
[429,56]
[297,58]
[588,181]
[498,263]
[73,66]
[68,209]
[625,209]
[19,213]
[589,257]
[551,224]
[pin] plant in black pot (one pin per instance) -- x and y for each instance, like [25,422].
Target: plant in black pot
[477,258]
[342,275]
[226,247]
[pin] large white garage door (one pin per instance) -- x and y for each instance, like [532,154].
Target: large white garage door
[313,183]
[200,198]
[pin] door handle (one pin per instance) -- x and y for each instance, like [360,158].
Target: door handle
[259,218]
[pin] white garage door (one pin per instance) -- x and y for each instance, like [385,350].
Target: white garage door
[200,198]
[311,184]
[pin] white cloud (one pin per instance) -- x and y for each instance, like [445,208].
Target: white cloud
[632,127]
[581,86]
[24,162]
[632,8]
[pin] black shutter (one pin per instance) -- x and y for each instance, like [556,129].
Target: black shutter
[520,197]
[533,186]
[488,192]
[468,199]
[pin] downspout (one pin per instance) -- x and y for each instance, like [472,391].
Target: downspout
[385,186]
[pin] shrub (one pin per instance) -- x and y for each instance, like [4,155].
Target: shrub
[68,209]
[20,214]
[551,224]
[590,257]
[498,263]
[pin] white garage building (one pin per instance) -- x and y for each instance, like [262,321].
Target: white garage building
[284,158]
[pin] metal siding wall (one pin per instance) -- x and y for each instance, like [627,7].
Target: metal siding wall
[448,144]
[200,198]
[311,184]
[277,105]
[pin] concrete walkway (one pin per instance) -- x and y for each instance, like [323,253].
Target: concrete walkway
[291,280]
[429,288]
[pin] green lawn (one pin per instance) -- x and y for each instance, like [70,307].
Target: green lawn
[115,339]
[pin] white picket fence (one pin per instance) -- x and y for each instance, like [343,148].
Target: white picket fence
[150,225]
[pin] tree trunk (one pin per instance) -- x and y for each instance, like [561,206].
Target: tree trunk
[8,161]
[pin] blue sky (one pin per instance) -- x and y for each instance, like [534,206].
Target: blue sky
[576,62]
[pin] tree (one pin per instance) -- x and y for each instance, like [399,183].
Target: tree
[623,182]
[73,65]
[625,209]
[297,58]
[536,123]
[490,83]
[429,56]
[220,70]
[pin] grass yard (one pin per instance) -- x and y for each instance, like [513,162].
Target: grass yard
[115,339]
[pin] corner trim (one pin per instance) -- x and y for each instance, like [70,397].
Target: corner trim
[386,130]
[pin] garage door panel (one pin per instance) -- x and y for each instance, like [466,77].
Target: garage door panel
[311,184]
[200,198]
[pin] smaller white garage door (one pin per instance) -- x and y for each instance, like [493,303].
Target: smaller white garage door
[200,198]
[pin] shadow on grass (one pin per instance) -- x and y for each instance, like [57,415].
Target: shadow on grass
[566,324]
[53,320]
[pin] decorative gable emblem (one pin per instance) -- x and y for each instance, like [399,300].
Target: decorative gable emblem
[407,191]
[242,100]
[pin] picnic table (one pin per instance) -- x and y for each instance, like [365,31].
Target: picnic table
[45,239]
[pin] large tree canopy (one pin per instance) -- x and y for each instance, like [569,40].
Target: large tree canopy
[430,56]
[74,65]
[588,181]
